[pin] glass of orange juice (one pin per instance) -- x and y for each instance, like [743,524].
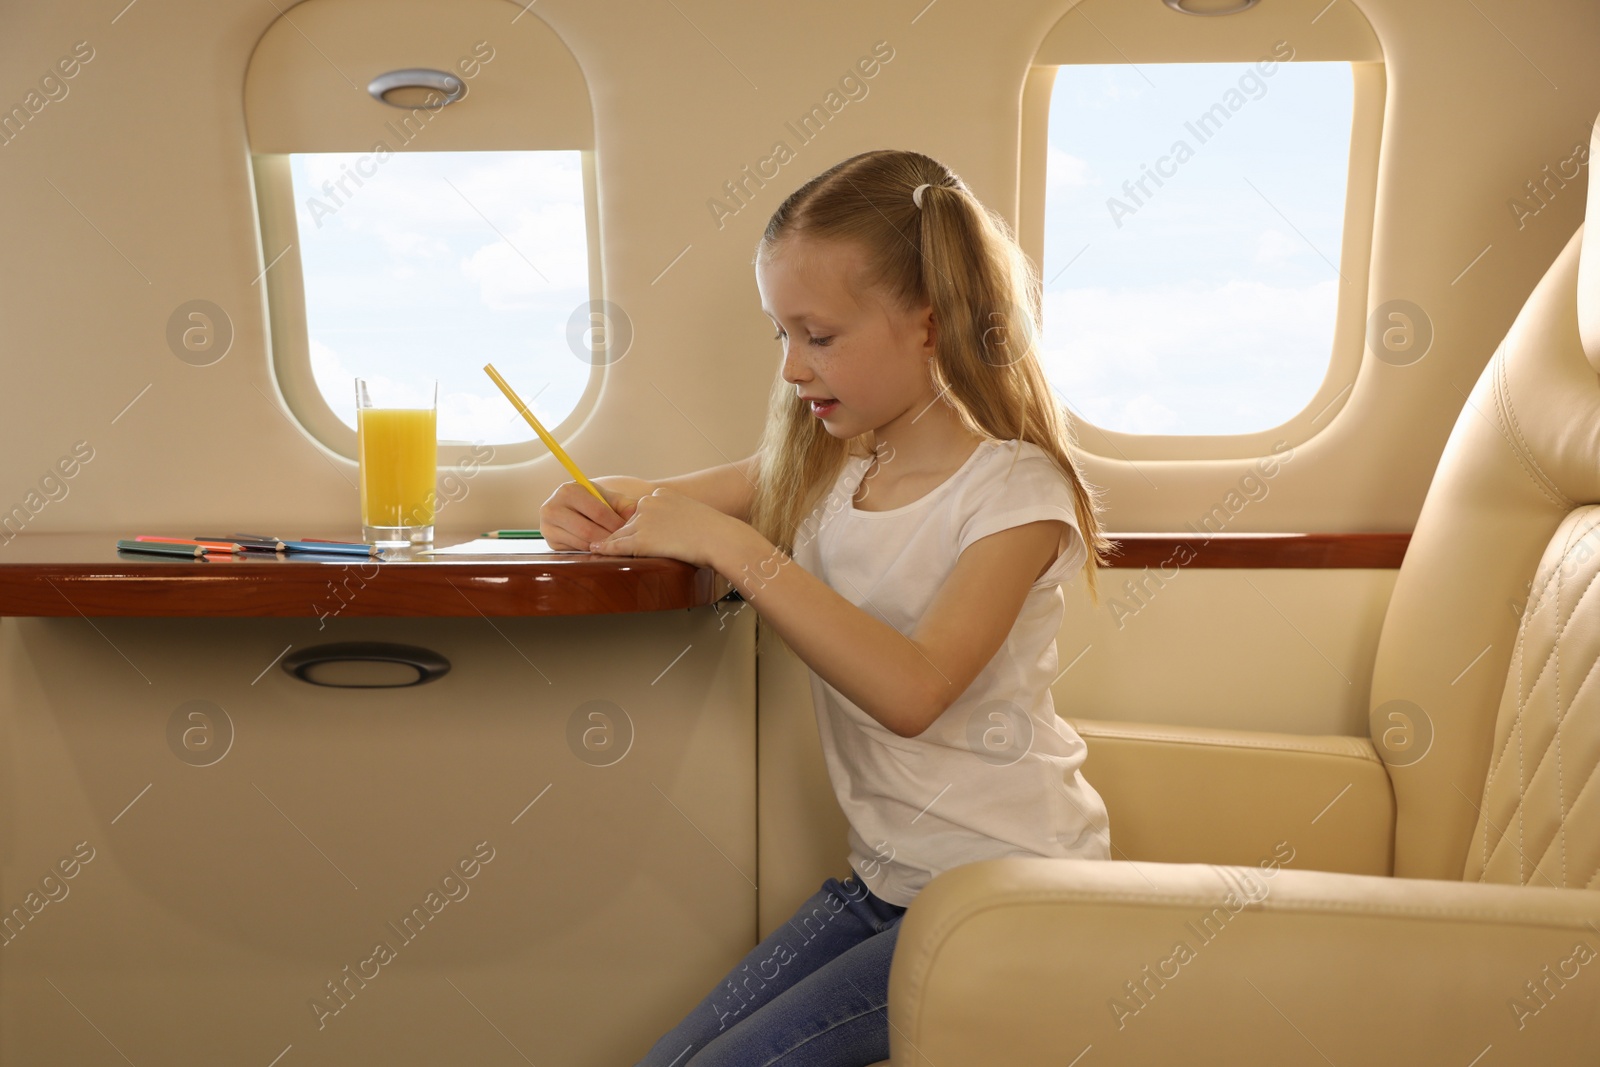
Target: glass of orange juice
[397,441]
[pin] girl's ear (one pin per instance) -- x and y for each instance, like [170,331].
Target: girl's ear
[927,323]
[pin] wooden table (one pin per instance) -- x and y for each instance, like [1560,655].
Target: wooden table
[85,575]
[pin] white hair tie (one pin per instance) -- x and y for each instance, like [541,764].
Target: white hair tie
[916,194]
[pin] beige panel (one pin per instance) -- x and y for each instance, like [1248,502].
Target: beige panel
[1112,31]
[1195,795]
[1287,651]
[306,86]
[221,899]
[800,831]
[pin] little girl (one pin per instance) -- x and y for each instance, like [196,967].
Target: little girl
[906,526]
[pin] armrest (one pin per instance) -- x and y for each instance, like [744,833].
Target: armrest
[1187,794]
[1026,961]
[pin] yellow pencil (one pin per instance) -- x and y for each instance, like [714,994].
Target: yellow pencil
[544,435]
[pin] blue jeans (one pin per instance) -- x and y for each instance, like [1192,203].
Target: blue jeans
[815,993]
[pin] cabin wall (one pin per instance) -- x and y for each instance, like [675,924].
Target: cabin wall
[132,195]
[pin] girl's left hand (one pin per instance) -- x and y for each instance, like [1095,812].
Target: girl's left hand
[667,523]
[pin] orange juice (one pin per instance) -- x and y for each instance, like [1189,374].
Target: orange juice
[399,465]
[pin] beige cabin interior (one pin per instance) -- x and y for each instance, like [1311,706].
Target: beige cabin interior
[211,907]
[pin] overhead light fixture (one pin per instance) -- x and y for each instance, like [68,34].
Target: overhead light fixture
[418,87]
[1243,5]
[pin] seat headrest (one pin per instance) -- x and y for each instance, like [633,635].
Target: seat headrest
[1589,264]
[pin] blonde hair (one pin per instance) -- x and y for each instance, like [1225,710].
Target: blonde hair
[955,255]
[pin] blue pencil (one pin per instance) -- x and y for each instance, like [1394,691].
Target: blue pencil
[334,547]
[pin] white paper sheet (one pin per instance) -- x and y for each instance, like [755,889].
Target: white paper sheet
[497,546]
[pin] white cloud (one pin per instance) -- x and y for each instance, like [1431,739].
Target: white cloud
[492,419]
[547,257]
[1274,246]
[1064,171]
[1189,358]
[459,212]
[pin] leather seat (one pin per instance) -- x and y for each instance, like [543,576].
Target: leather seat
[1252,913]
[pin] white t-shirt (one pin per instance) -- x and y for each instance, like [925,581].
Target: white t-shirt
[997,773]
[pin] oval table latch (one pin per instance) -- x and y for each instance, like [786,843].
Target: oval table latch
[366,665]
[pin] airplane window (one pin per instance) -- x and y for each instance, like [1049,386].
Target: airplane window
[1194,214]
[431,264]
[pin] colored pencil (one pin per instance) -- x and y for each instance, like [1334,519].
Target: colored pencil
[544,435]
[334,548]
[210,546]
[250,542]
[161,548]
[513,534]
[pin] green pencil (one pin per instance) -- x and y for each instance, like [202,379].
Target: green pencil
[513,534]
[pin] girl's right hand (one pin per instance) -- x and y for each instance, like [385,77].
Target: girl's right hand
[571,519]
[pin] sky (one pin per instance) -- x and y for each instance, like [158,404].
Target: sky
[1205,304]
[440,262]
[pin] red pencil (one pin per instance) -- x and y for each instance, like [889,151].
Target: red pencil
[209,546]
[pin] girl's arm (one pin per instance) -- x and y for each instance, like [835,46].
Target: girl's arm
[730,488]
[904,682]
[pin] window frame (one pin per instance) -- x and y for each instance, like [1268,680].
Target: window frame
[307,89]
[1369,91]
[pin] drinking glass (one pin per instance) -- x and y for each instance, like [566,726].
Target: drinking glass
[396,434]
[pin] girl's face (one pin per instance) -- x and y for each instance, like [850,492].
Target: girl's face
[842,341]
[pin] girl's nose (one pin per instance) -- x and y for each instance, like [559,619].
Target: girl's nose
[794,368]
